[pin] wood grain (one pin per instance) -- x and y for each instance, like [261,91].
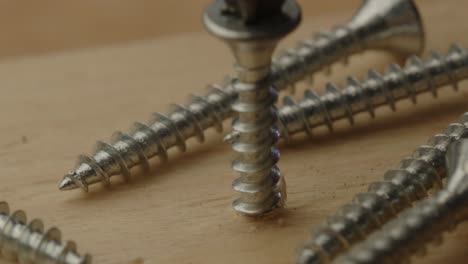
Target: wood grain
[55,106]
[38,27]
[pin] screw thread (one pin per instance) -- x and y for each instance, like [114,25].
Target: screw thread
[164,132]
[254,138]
[184,122]
[27,243]
[412,181]
[315,54]
[254,132]
[397,83]
[410,233]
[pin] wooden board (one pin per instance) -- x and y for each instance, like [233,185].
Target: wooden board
[32,27]
[56,106]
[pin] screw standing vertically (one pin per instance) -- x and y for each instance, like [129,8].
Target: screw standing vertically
[412,181]
[27,243]
[252,29]
[396,28]
[426,222]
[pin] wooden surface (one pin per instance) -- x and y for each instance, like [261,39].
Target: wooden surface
[32,27]
[55,106]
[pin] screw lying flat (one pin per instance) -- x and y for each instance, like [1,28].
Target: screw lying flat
[253,37]
[418,76]
[396,27]
[27,243]
[415,228]
[412,181]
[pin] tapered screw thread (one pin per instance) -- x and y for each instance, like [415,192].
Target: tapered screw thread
[415,177]
[203,112]
[418,76]
[155,139]
[409,234]
[28,243]
[255,134]
[255,142]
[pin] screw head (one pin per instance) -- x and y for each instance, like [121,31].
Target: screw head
[228,26]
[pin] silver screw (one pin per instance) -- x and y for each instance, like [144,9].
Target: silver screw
[253,37]
[396,28]
[418,76]
[412,181]
[415,228]
[27,242]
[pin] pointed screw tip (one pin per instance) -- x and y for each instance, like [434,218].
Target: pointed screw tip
[67,184]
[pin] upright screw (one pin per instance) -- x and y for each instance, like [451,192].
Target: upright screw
[412,181]
[397,28]
[27,243]
[415,228]
[252,30]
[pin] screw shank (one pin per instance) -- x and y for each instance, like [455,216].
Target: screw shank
[377,90]
[412,231]
[411,181]
[457,163]
[27,243]
[253,44]
[409,234]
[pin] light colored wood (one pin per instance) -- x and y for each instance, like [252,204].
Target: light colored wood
[32,27]
[56,106]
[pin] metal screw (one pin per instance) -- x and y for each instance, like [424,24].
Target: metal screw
[412,181]
[418,76]
[396,28]
[27,243]
[252,38]
[415,228]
